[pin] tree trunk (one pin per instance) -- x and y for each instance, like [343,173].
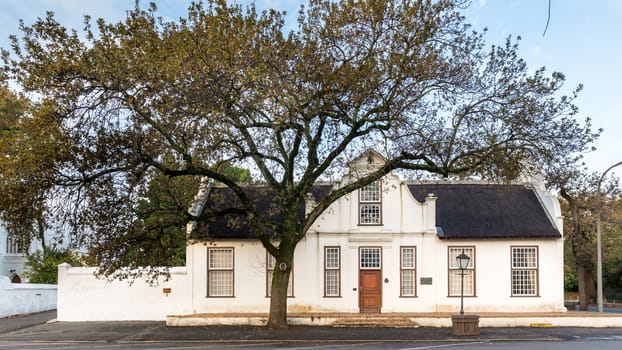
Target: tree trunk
[278,292]
[583,302]
[587,290]
[590,286]
[41,234]
[580,243]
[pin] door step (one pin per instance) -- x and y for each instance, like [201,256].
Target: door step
[395,322]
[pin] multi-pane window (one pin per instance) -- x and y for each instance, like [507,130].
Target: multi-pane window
[456,275]
[270,264]
[524,271]
[332,271]
[408,277]
[369,258]
[370,205]
[220,272]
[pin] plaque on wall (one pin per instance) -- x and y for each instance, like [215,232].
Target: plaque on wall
[425,281]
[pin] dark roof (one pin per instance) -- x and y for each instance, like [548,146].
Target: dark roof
[470,211]
[487,211]
[235,225]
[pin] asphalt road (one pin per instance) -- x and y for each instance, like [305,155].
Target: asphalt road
[32,332]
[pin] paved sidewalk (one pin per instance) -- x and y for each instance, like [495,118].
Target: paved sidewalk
[15,323]
[32,328]
[397,319]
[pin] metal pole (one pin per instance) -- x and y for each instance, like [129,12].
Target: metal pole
[461,291]
[599,254]
[599,262]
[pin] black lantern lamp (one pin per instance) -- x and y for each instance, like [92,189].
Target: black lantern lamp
[463,262]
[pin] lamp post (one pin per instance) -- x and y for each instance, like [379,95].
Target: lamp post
[463,263]
[599,254]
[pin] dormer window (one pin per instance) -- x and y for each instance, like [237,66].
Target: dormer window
[370,204]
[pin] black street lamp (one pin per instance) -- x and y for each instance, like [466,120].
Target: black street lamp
[463,263]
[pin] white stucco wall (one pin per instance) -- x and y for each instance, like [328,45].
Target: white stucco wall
[401,213]
[493,276]
[25,298]
[84,297]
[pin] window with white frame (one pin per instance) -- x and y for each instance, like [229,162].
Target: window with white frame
[524,271]
[408,276]
[332,271]
[456,275]
[220,272]
[370,204]
[370,258]
[270,264]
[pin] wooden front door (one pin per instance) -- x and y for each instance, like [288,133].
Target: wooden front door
[370,279]
[370,290]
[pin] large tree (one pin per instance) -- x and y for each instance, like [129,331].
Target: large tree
[226,84]
[584,194]
[612,247]
[582,201]
[29,150]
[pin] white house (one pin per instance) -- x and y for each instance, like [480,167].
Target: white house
[13,253]
[17,297]
[389,247]
[392,246]
[12,257]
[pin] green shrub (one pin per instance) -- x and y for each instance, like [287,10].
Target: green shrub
[570,281]
[43,268]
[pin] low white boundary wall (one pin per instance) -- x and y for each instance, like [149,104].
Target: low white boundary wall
[25,298]
[84,297]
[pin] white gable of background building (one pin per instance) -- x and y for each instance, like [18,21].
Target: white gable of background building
[13,256]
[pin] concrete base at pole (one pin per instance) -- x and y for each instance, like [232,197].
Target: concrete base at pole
[464,325]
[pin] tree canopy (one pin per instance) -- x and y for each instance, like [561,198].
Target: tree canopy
[586,196]
[157,236]
[29,150]
[43,266]
[229,85]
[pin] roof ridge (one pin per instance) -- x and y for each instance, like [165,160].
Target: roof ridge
[461,182]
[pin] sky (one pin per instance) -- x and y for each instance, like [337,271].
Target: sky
[583,40]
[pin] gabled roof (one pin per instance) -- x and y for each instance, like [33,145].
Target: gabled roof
[235,225]
[467,211]
[487,211]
